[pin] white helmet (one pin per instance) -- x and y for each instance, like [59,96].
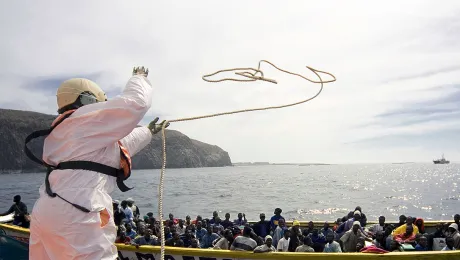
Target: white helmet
[74,93]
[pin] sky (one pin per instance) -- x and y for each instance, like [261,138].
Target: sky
[397,64]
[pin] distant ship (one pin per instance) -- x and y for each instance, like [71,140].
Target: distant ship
[441,161]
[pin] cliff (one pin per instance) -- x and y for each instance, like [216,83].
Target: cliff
[182,151]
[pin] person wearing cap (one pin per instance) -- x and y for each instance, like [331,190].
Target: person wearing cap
[294,242]
[275,218]
[350,238]
[262,228]
[453,231]
[134,208]
[20,211]
[267,247]
[346,226]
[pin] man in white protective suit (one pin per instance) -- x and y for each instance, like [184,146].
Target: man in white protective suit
[87,152]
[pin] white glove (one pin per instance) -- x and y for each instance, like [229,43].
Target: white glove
[140,71]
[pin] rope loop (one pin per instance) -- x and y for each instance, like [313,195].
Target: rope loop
[250,77]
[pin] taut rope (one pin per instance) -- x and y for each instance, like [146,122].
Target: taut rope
[251,77]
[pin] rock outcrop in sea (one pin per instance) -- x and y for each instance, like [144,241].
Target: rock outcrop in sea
[182,151]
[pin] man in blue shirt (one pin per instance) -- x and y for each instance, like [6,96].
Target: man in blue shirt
[274,220]
[262,228]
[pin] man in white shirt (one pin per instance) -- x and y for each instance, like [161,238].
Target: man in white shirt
[283,244]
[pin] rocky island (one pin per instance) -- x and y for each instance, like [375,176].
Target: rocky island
[182,151]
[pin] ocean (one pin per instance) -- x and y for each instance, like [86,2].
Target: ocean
[321,192]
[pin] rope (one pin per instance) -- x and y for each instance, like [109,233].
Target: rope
[250,77]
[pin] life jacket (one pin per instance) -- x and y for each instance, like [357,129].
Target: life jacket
[123,173]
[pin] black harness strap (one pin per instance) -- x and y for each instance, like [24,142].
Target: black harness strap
[73,165]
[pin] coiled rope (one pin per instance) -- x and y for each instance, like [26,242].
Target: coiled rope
[251,76]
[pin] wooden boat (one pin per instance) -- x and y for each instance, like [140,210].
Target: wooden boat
[10,235]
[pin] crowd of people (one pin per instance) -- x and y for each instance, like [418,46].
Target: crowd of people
[347,234]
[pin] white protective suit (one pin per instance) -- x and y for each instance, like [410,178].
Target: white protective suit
[59,231]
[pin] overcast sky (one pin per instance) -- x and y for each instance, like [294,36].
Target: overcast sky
[397,63]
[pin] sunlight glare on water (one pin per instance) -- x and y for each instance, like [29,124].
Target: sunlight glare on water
[323,192]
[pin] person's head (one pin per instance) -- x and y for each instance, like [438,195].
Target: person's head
[181,222]
[388,230]
[240,216]
[227,216]
[193,227]
[379,236]
[150,215]
[357,215]
[128,227]
[209,229]
[281,223]
[359,246]
[311,225]
[450,242]
[121,233]
[356,226]
[278,211]
[77,92]
[130,202]
[141,228]
[194,243]
[330,237]
[402,219]
[338,221]
[228,234]
[410,220]
[358,208]
[307,241]
[287,233]
[247,231]
[187,219]
[167,230]
[262,216]
[124,204]
[295,225]
[199,218]
[457,218]
[215,229]
[199,225]
[453,228]
[409,230]
[326,225]
[215,214]
[148,233]
[423,241]
[439,226]
[171,216]
[218,221]
[268,241]
[382,220]
[350,215]
[17,199]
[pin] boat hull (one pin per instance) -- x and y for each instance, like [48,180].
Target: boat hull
[126,252]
